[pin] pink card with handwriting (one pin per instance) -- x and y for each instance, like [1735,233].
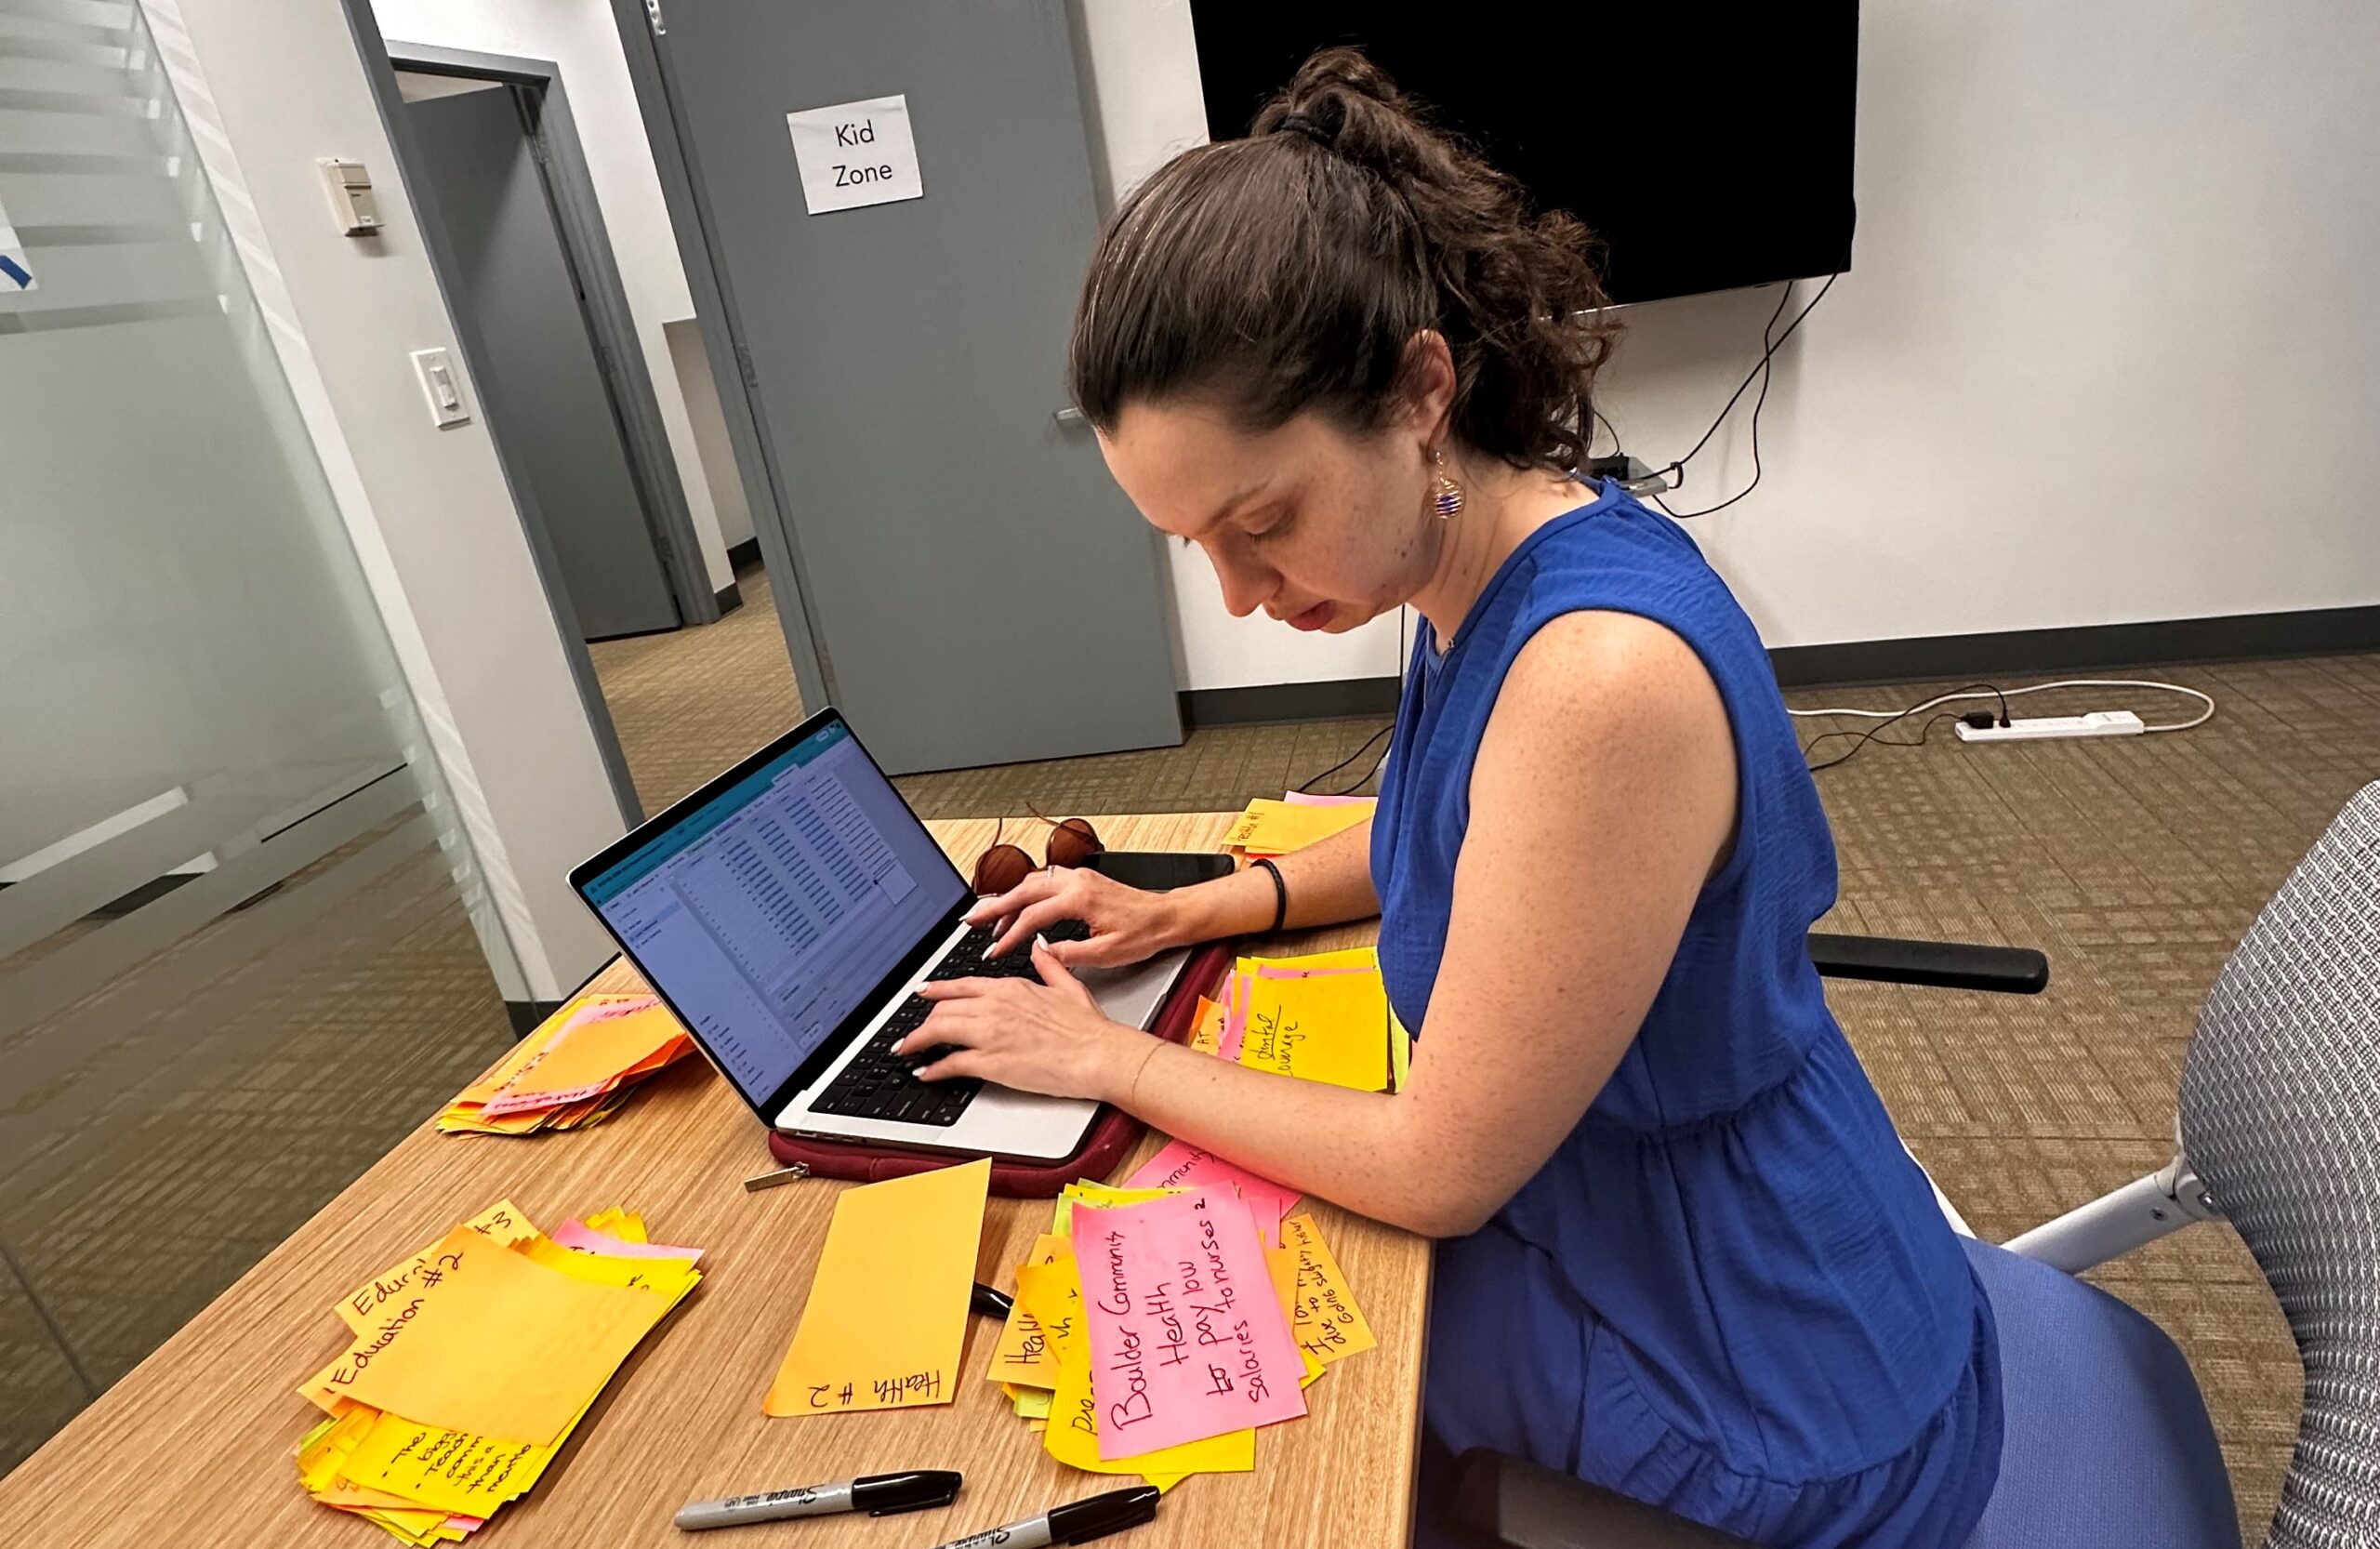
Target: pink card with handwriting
[1188,1338]
[1184,1166]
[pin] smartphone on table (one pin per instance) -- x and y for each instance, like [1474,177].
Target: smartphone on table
[1159,870]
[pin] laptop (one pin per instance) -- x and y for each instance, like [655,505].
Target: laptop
[788,912]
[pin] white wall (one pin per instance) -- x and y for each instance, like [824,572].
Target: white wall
[712,448]
[2109,352]
[578,36]
[1142,65]
[269,85]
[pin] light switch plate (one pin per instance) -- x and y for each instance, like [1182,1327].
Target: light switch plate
[442,387]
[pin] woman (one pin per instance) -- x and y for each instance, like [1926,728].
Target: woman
[1682,1252]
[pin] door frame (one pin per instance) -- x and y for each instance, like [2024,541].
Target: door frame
[641,27]
[537,89]
[373,50]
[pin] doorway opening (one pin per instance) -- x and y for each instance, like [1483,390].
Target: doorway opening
[514,233]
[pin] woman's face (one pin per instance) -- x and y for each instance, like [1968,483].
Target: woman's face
[1320,528]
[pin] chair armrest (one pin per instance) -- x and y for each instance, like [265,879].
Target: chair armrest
[1502,1501]
[1935,964]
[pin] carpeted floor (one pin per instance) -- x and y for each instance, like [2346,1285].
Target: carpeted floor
[2134,863]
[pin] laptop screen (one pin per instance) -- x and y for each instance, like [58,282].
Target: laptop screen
[768,912]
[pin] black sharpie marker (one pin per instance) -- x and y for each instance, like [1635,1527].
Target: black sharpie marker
[1075,1522]
[878,1494]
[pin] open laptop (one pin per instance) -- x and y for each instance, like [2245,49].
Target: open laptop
[788,912]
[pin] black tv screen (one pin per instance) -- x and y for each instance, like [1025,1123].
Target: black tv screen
[1707,146]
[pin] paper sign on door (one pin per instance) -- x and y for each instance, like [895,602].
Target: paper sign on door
[855,153]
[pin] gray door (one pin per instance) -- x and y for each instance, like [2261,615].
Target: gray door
[981,590]
[542,381]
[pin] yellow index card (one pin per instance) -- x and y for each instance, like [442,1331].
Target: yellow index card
[626,1225]
[1400,1053]
[887,1311]
[1324,1318]
[1052,1293]
[501,1222]
[1023,1357]
[487,1340]
[1276,828]
[1330,1027]
[669,1277]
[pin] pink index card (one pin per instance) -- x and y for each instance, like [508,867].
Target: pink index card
[586,1239]
[1234,1032]
[1183,1166]
[1188,1338]
[1302,798]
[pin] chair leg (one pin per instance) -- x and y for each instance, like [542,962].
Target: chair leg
[2118,1222]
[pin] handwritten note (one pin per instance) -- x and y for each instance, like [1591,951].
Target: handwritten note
[1187,1341]
[501,1222]
[1323,1315]
[455,1471]
[485,1338]
[887,1312]
[1331,1028]
[1075,1438]
[1207,1028]
[1183,1166]
[1022,1355]
[1271,827]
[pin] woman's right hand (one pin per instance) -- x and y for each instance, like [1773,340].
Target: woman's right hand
[1127,924]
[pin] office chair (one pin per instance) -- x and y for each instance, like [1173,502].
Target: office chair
[2107,1440]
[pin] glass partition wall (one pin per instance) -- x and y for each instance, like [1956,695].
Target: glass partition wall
[243,943]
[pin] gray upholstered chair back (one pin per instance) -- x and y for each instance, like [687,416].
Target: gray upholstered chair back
[2280,1119]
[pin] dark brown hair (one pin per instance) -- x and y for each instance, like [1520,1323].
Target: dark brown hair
[1290,271]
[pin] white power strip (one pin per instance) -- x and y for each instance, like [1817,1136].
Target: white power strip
[2098,724]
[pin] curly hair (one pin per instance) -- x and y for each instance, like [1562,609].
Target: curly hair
[1290,271]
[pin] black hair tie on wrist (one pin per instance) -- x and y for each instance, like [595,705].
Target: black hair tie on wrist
[1280,896]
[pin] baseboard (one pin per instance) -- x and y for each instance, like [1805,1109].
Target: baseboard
[527,1014]
[744,556]
[731,597]
[2031,653]
[2004,653]
[1241,707]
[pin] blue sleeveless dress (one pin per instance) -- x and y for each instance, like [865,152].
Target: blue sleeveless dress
[1730,1291]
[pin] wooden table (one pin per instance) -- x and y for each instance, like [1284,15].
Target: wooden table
[193,1445]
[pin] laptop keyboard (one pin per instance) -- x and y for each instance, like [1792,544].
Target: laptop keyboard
[879,1083]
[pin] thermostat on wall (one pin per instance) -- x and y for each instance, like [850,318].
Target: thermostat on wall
[351,190]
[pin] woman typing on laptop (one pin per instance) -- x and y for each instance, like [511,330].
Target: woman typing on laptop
[1683,1254]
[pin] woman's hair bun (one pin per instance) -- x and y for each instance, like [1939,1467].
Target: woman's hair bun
[1290,272]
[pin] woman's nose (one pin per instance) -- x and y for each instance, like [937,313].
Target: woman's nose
[1245,586]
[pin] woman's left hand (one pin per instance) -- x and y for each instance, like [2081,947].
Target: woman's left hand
[1049,1037]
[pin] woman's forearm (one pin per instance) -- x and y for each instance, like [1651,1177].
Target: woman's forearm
[1349,1148]
[1327,882]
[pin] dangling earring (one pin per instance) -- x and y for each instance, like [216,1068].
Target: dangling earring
[1445,496]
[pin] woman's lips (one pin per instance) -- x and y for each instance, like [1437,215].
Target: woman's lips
[1313,618]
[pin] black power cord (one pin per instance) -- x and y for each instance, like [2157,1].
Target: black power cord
[1307,788]
[1875,733]
[1771,342]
